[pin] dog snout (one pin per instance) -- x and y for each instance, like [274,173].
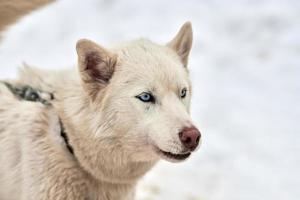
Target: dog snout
[189,137]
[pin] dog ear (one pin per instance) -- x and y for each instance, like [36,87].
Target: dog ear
[96,66]
[182,43]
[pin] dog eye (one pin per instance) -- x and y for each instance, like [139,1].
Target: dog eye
[146,97]
[183,93]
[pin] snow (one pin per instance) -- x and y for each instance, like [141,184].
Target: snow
[246,75]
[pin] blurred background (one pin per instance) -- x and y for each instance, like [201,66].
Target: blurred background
[245,68]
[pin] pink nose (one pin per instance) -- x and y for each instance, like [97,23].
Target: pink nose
[190,137]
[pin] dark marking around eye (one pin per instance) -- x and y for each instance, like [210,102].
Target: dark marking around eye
[183,93]
[146,97]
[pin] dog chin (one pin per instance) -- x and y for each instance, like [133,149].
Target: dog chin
[172,157]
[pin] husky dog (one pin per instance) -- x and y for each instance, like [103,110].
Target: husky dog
[123,109]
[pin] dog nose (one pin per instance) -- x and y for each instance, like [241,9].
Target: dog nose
[190,137]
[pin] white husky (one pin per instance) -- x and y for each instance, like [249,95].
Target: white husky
[123,110]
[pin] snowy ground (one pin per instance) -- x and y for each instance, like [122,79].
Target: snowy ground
[245,68]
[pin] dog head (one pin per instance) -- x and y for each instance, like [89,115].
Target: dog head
[142,93]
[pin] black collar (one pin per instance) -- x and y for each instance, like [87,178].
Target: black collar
[65,137]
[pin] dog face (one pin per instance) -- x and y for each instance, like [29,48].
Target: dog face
[143,92]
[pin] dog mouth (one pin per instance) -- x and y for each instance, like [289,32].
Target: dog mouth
[176,156]
[172,157]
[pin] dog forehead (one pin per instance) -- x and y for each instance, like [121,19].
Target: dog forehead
[151,65]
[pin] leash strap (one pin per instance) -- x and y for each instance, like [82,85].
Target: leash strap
[29,93]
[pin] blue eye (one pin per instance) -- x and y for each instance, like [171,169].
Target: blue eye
[183,93]
[146,97]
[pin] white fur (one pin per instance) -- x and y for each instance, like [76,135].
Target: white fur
[116,137]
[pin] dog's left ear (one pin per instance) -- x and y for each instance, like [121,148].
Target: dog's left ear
[182,43]
[96,66]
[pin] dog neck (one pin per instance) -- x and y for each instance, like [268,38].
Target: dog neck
[103,158]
